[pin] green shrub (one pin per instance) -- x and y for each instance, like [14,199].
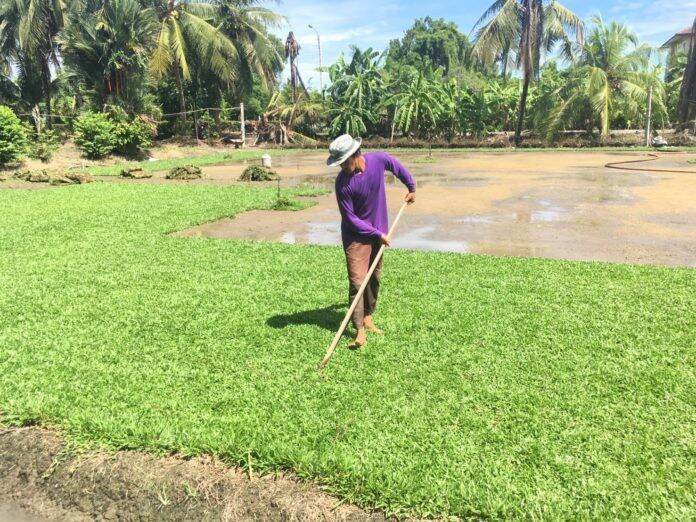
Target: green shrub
[95,134]
[131,136]
[44,145]
[99,134]
[13,137]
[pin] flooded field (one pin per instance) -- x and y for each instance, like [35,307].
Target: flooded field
[558,204]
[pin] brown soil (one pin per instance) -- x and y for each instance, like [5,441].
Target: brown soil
[560,204]
[41,478]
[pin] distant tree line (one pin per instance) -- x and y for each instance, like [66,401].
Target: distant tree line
[532,66]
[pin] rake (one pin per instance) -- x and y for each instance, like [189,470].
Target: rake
[361,290]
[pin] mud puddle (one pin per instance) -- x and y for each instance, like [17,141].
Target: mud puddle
[563,205]
[43,479]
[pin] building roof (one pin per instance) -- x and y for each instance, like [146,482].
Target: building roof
[679,37]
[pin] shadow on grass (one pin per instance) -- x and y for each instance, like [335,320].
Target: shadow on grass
[328,318]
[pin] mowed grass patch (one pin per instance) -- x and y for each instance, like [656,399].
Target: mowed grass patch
[504,388]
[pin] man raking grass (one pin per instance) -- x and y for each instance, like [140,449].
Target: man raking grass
[362,201]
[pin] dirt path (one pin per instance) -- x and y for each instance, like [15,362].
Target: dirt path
[561,204]
[42,479]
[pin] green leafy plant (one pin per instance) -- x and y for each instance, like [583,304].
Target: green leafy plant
[95,134]
[13,137]
[44,145]
[129,137]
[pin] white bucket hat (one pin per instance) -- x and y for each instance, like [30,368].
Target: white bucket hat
[341,149]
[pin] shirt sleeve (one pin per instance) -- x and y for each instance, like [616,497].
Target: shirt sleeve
[394,166]
[362,228]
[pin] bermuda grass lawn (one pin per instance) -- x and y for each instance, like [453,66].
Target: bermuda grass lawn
[504,388]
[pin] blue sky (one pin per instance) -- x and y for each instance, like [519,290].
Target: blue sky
[373,23]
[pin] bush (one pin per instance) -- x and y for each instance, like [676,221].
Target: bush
[130,137]
[44,145]
[13,137]
[99,134]
[95,134]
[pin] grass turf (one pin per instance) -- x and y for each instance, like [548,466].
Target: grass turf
[504,388]
[211,158]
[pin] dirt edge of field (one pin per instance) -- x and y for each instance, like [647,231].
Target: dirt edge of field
[42,476]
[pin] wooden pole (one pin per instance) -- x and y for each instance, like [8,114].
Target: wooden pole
[359,295]
[647,125]
[241,118]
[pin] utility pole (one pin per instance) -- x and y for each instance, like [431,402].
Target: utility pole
[321,77]
[647,125]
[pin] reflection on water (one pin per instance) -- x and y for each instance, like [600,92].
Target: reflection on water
[423,238]
[544,216]
[324,233]
[288,237]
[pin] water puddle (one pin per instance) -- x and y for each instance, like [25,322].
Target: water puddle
[562,205]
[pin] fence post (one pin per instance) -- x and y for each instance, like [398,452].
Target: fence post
[647,125]
[241,122]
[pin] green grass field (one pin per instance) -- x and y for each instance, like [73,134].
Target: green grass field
[504,388]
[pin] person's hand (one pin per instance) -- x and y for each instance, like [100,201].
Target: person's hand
[385,240]
[410,198]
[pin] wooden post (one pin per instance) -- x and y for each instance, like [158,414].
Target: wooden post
[647,125]
[241,122]
[359,295]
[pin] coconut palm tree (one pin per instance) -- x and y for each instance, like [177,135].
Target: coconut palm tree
[247,24]
[529,29]
[108,49]
[30,27]
[188,33]
[614,70]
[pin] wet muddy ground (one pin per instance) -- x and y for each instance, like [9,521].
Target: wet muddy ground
[557,204]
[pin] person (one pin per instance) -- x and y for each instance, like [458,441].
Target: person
[362,201]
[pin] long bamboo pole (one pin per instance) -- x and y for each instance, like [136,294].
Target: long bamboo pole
[359,295]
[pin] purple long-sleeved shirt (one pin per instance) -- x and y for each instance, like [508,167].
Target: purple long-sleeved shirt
[362,198]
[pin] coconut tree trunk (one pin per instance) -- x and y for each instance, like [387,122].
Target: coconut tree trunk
[46,84]
[522,107]
[605,119]
[180,86]
[527,53]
